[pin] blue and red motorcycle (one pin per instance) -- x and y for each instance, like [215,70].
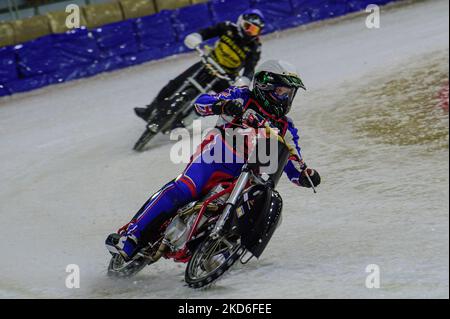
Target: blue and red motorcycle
[234,221]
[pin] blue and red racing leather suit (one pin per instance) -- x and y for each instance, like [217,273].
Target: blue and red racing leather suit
[199,176]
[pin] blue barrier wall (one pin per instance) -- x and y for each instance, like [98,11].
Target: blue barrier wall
[82,53]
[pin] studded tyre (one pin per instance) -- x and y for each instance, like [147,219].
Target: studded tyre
[118,268]
[198,274]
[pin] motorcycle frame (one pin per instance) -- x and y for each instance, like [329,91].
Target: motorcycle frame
[234,188]
[182,255]
[208,64]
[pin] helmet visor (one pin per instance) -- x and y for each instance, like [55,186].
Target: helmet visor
[284,93]
[251,29]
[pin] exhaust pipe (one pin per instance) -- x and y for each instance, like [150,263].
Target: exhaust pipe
[161,250]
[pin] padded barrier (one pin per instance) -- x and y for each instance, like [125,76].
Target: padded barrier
[37,57]
[6,34]
[358,5]
[278,14]
[8,70]
[115,40]
[155,30]
[30,28]
[137,8]
[320,10]
[100,14]
[228,10]
[58,51]
[171,4]
[156,37]
[82,53]
[190,19]
[57,20]
[3,90]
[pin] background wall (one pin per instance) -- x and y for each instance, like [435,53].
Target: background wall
[106,42]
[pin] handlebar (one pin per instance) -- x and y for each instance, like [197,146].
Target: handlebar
[213,66]
[250,118]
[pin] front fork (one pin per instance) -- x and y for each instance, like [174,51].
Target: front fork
[182,102]
[230,204]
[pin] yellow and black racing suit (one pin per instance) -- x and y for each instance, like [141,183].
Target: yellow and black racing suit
[234,51]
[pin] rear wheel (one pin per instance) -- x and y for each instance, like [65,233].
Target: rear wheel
[119,268]
[168,115]
[211,260]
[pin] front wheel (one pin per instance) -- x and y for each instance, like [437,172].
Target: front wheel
[143,140]
[211,260]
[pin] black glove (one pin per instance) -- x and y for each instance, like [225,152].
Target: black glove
[313,175]
[228,107]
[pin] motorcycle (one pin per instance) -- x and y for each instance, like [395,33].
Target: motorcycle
[176,110]
[234,221]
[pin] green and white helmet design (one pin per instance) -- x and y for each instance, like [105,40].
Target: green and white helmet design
[275,86]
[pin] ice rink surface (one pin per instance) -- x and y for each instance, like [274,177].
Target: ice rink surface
[69,176]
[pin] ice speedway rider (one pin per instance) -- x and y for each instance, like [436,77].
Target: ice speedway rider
[275,87]
[238,48]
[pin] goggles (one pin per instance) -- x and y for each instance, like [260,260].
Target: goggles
[251,29]
[283,93]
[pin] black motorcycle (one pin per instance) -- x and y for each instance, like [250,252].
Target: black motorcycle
[176,110]
[235,221]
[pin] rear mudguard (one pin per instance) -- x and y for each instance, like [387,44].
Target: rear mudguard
[256,217]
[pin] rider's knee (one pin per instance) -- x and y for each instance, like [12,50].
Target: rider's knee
[186,185]
[183,191]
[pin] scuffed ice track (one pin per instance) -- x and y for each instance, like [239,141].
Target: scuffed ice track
[69,177]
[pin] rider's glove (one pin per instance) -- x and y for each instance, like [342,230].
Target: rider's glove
[229,107]
[193,40]
[242,81]
[313,175]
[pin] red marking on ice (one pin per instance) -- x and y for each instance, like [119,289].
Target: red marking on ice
[443,97]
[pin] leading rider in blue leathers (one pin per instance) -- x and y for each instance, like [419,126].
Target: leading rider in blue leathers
[275,86]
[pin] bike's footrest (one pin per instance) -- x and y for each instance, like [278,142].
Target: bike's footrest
[153,127]
[249,257]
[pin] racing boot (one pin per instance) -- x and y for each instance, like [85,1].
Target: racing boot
[126,246]
[143,112]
